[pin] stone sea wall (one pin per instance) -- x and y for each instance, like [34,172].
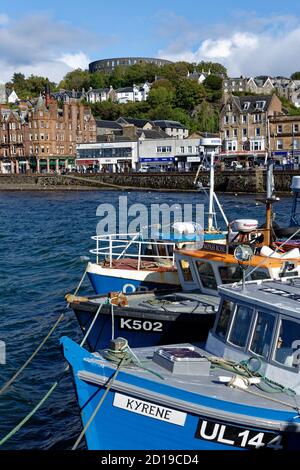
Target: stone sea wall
[247,181]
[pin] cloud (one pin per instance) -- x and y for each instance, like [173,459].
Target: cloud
[250,46]
[38,44]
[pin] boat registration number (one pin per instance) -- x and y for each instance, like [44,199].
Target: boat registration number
[237,436]
[130,324]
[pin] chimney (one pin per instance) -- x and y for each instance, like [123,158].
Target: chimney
[129,131]
[47,94]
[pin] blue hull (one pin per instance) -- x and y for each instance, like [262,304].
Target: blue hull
[115,428]
[103,284]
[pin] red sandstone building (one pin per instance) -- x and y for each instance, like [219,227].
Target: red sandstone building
[43,137]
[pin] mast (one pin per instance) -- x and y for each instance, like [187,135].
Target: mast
[211,193]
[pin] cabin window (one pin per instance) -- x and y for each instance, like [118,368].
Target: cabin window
[240,326]
[287,350]
[224,317]
[262,336]
[230,274]
[259,274]
[207,275]
[186,270]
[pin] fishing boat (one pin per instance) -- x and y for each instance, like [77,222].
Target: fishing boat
[145,318]
[241,391]
[294,227]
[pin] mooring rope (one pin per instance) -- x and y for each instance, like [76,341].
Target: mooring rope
[16,375]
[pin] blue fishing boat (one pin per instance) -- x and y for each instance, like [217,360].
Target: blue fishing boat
[240,391]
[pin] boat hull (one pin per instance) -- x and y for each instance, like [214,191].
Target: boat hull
[141,414]
[106,280]
[140,327]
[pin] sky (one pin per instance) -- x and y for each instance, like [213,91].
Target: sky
[50,39]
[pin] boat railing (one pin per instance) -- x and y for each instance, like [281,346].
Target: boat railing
[131,245]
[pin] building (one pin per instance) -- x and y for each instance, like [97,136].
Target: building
[285,137]
[12,97]
[244,124]
[173,128]
[3,97]
[108,65]
[101,94]
[134,93]
[148,148]
[43,138]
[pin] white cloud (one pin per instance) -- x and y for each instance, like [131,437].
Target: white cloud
[75,61]
[257,47]
[38,44]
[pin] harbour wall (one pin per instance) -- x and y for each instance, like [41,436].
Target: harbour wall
[246,181]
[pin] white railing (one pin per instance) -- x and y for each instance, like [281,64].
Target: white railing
[130,245]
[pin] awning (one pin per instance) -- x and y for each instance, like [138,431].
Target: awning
[157,159]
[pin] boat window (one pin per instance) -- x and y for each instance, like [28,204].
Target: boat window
[287,351]
[207,275]
[170,250]
[230,274]
[262,336]
[186,270]
[162,250]
[224,317]
[259,274]
[240,326]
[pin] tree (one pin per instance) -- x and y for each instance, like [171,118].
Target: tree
[295,76]
[98,80]
[207,117]
[76,80]
[188,94]
[213,82]
[212,67]
[160,96]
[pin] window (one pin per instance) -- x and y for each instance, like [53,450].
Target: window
[235,132]
[244,132]
[279,144]
[226,119]
[257,118]
[246,105]
[256,145]
[227,133]
[244,118]
[230,274]
[295,127]
[260,104]
[207,276]
[163,149]
[288,344]
[224,317]
[240,326]
[234,119]
[259,274]
[279,128]
[295,144]
[257,131]
[186,271]
[262,336]
[190,149]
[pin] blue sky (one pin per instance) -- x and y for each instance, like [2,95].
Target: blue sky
[50,40]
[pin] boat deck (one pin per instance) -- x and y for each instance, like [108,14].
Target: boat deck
[132,264]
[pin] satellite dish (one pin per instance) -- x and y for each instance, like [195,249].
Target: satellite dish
[243,253]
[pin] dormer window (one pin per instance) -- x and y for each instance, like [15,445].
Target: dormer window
[246,106]
[260,104]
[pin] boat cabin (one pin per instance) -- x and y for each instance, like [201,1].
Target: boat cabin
[261,321]
[212,266]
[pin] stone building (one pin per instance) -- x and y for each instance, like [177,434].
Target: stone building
[244,124]
[285,136]
[44,138]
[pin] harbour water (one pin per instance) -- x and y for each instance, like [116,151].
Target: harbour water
[44,242]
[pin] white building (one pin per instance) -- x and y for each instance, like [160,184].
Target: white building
[13,97]
[134,93]
[122,155]
[173,128]
[99,95]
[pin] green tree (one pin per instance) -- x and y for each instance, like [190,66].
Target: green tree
[98,80]
[160,96]
[207,117]
[295,76]
[76,80]
[212,67]
[188,94]
[213,82]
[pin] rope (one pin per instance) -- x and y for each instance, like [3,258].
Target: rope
[8,384]
[108,387]
[92,324]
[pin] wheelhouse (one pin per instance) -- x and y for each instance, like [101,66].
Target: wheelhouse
[261,322]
